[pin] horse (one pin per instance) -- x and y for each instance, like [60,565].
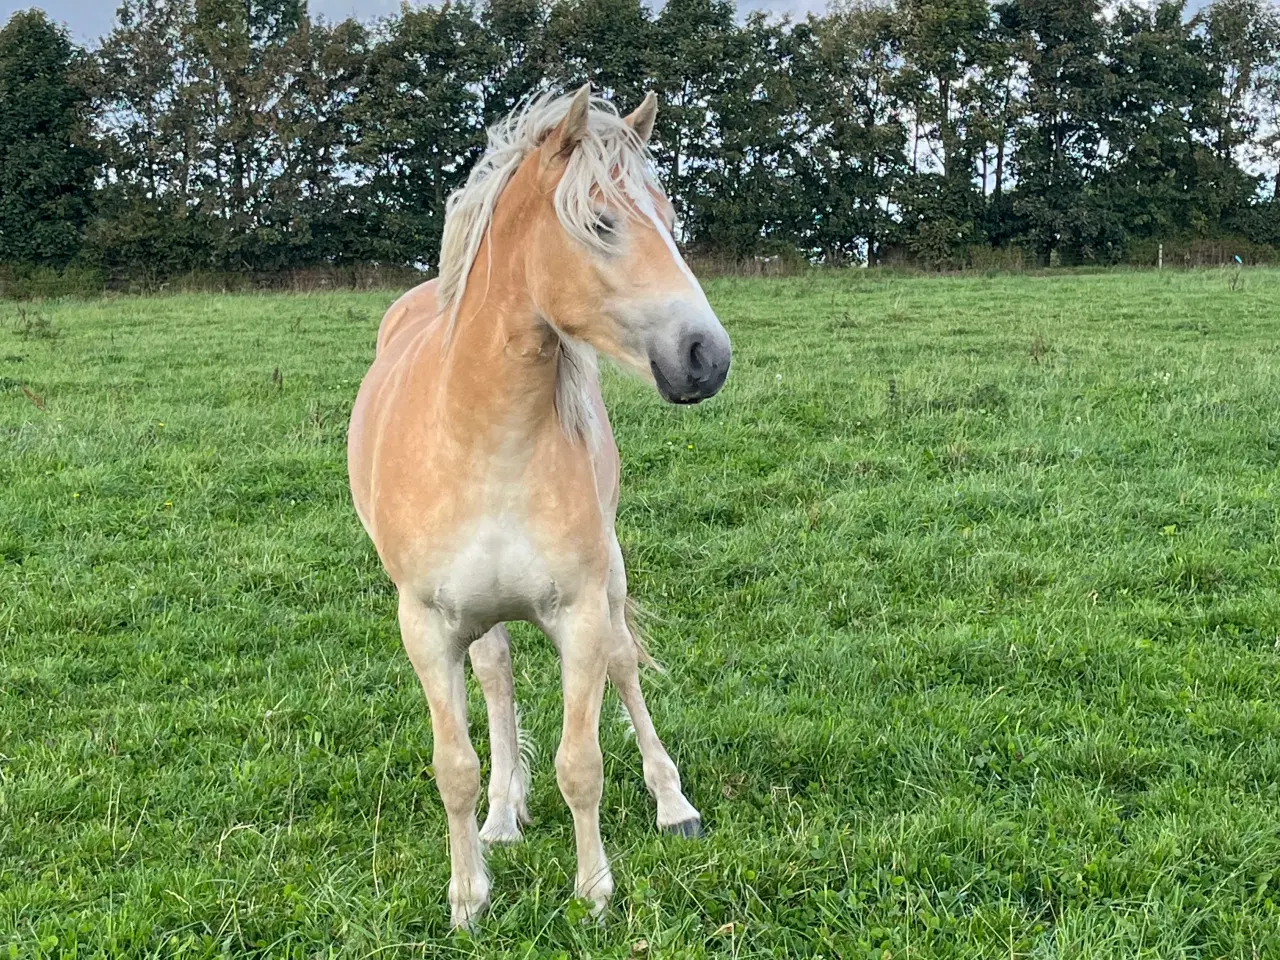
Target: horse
[484,469]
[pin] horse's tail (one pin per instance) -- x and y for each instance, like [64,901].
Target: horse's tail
[633,613]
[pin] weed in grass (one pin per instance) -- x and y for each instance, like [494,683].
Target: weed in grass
[34,326]
[34,397]
[1039,347]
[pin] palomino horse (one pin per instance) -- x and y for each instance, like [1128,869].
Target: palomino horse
[484,469]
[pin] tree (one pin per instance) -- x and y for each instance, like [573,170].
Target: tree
[1241,51]
[148,223]
[1157,177]
[1268,136]
[605,42]
[693,56]
[1241,47]
[943,42]
[855,161]
[421,123]
[243,56]
[744,190]
[318,129]
[519,59]
[943,45]
[242,135]
[46,172]
[995,116]
[1059,143]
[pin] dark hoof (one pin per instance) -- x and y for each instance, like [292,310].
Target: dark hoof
[690,829]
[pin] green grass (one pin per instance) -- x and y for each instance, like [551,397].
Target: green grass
[969,590]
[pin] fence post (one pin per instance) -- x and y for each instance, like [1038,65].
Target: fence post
[1160,258]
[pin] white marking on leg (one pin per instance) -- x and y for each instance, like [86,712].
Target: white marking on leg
[508,779]
[438,660]
[661,776]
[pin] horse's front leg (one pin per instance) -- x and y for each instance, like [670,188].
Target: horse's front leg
[438,654]
[580,636]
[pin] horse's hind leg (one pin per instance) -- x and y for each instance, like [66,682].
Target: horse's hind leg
[675,814]
[437,656]
[508,778]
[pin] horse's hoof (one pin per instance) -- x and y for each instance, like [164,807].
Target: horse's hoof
[465,918]
[465,910]
[501,827]
[690,829]
[501,838]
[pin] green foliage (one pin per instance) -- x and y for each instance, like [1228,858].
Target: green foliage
[45,171]
[1261,223]
[28,282]
[421,126]
[244,136]
[967,589]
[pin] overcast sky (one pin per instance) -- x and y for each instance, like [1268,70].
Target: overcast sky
[90,19]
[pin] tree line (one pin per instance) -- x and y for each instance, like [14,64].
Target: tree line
[249,136]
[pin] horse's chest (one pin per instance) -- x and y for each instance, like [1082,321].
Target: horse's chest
[502,571]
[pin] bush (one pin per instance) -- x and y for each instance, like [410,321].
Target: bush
[777,260]
[33,283]
[1011,259]
[1194,251]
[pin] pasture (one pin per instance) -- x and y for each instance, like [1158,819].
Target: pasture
[968,589]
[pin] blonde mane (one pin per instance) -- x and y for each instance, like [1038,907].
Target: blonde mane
[610,163]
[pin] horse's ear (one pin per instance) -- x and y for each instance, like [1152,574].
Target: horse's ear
[561,141]
[641,120]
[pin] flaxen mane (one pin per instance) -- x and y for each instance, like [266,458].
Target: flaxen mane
[610,164]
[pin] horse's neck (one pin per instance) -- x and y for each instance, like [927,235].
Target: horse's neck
[502,359]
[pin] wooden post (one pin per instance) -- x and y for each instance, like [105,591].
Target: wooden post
[1160,258]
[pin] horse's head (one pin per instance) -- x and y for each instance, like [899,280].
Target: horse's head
[602,264]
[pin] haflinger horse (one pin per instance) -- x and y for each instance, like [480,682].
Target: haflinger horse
[484,469]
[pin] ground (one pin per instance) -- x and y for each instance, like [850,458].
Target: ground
[968,590]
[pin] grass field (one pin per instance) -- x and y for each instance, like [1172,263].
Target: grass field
[969,589]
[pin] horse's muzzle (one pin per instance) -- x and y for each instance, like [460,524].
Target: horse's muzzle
[697,370]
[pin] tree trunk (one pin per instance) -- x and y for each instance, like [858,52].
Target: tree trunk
[1000,146]
[944,127]
[675,167]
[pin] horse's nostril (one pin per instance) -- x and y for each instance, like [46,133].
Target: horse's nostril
[697,359]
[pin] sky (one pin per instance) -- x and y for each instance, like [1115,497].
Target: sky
[90,19]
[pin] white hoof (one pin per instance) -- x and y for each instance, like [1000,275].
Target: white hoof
[466,911]
[502,825]
[597,891]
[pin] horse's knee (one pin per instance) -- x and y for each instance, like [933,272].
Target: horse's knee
[458,778]
[580,772]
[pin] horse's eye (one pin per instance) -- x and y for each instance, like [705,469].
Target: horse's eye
[606,226]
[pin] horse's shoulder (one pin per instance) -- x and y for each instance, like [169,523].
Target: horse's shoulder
[413,312]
